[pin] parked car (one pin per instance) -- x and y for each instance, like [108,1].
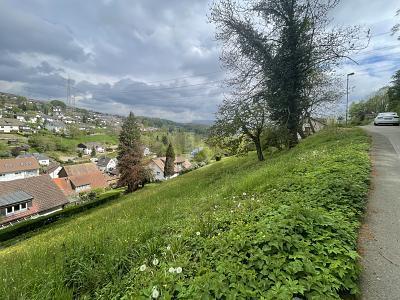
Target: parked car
[390,118]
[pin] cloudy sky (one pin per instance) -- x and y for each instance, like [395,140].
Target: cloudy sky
[155,57]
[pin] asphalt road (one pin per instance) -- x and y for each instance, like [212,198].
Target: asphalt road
[379,243]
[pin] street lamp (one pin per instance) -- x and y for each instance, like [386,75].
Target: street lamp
[347,92]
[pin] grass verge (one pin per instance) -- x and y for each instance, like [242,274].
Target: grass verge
[236,229]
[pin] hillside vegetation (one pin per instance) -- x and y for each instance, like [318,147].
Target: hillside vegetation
[238,228]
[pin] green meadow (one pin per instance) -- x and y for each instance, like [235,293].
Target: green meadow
[235,229]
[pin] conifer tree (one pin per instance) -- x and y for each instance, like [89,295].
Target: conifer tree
[169,161]
[133,173]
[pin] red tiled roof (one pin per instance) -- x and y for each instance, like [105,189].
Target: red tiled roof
[46,195]
[81,169]
[64,185]
[12,165]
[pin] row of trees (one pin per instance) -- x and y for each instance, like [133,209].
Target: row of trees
[281,55]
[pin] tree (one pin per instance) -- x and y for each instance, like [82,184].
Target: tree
[93,152]
[169,168]
[394,93]
[396,28]
[164,140]
[275,48]
[238,116]
[133,173]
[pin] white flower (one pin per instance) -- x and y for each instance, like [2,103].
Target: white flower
[142,268]
[231,211]
[178,270]
[155,261]
[198,233]
[155,294]
[239,205]
[252,198]
[169,247]
[171,270]
[244,194]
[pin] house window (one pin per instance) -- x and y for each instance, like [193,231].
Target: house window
[16,208]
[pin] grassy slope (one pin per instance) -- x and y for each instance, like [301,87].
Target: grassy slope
[297,237]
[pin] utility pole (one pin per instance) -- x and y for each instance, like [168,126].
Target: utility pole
[68,92]
[347,93]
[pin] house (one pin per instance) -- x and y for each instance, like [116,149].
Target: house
[42,159]
[75,179]
[53,169]
[20,118]
[55,126]
[196,151]
[18,168]
[86,148]
[157,165]
[29,197]
[8,125]
[106,164]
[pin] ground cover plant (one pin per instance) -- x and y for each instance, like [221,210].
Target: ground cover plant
[238,228]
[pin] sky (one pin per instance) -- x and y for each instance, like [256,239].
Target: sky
[154,57]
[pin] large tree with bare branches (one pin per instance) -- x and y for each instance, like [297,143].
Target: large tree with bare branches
[276,49]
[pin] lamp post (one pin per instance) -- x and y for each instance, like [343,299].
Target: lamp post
[347,93]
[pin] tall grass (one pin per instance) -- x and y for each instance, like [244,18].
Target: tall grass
[237,228]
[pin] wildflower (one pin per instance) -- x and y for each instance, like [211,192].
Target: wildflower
[142,268]
[239,205]
[231,211]
[178,270]
[169,247]
[171,270]
[244,194]
[198,233]
[155,294]
[155,261]
[252,198]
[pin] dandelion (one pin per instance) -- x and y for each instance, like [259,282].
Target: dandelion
[155,294]
[198,233]
[178,270]
[171,270]
[142,268]
[169,247]
[155,261]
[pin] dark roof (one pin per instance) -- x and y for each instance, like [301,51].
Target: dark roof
[14,197]
[12,165]
[103,161]
[46,195]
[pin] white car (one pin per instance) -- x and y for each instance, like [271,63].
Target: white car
[387,118]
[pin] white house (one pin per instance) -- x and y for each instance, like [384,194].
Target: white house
[146,151]
[8,125]
[157,166]
[53,169]
[87,148]
[18,168]
[55,126]
[106,164]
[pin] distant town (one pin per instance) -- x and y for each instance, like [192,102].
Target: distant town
[52,155]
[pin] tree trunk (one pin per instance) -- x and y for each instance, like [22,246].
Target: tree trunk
[260,154]
[301,133]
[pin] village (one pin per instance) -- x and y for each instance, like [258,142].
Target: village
[34,184]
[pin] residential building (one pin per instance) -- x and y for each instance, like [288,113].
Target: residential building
[157,165]
[74,179]
[8,125]
[195,151]
[146,151]
[42,159]
[87,148]
[18,168]
[106,164]
[53,169]
[29,197]
[55,126]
